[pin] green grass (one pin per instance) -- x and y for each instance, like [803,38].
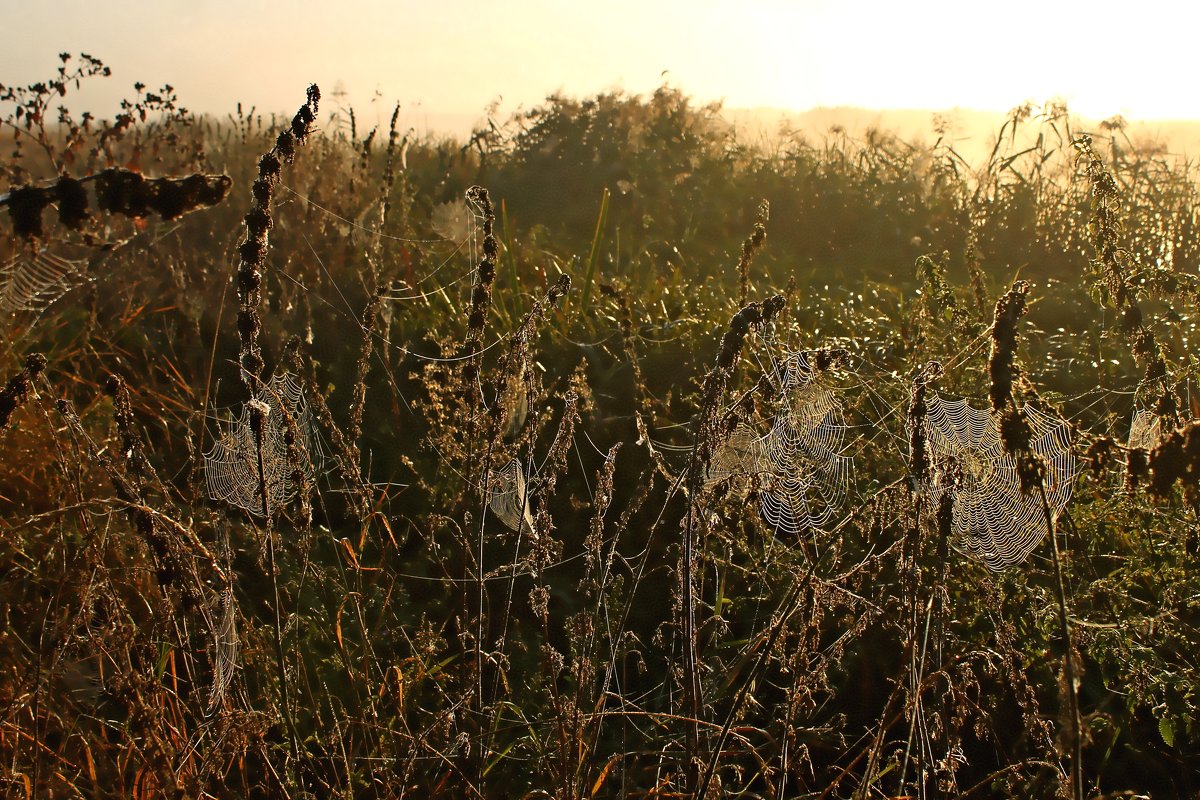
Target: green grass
[423,648]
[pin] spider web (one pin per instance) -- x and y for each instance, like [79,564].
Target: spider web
[993,520]
[799,467]
[740,460]
[508,497]
[225,650]
[1145,429]
[810,474]
[31,283]
[231,467]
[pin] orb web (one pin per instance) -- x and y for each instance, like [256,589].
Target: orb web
[799,467]
[810,473]
[508,497]
[993,520]
[453,220]
[231,467]
[739,460]
[1145,429]
[32,282]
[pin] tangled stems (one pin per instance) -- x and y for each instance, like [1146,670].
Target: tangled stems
[752,316]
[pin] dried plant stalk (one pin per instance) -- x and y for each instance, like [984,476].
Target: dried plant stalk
[253,249]
[17,390]
[117,191]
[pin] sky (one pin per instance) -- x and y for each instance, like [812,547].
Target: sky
[446,61]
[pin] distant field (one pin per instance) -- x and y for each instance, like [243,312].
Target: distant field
[973,133]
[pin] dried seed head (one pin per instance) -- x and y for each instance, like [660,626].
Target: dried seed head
[25,210]
[1001,366]
[1177,458]
[285,146]
[269,166]
[72,202]
[306,115]
[1137,467]
[754,315]
[750,247]
[1099,453]
[258,219]
[481,294]
[261,191]
[16,391]
[253,249]
[828,357]
[918,408]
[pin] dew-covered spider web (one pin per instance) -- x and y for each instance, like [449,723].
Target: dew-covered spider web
[31,282]
[508,497]
[993,520]
[739,460]
[799,466]
[810,473]
[231,467]
[225,649]
[1145,429]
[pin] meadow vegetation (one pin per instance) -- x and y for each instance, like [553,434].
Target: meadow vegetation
[600,455]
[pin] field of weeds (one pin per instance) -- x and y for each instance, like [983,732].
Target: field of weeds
[600,455]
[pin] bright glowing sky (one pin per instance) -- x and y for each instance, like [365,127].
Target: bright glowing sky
[455,56]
